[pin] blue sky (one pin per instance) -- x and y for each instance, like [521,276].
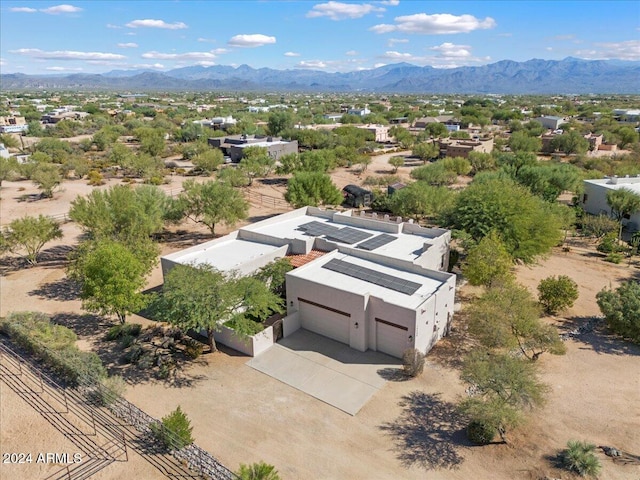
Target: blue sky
[42,37]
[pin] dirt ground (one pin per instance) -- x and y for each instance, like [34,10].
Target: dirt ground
[408,430]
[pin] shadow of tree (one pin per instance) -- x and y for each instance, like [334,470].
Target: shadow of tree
[393,374]
[64,289]
[51,257]
[183,238]
[58,254]
[85,325]
[600,340]
[429,432]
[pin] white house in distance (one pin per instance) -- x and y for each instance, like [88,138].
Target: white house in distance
[594,199]
[370,283]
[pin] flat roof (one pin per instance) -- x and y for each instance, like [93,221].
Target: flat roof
[406,246]
[226,256]
[628,183]
[314,272]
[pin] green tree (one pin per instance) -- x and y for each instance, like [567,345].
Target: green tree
[505,388]
[122,213]
[209,161]
[111,278]
[199,297]
[312,188]
[30,234]
[278,122]
[527,225]
[523,142]
[190,132]
[435,174]
[47,177]
[232,176]
[437,130]
[550,180]
[9,169]
[570,142]
[488,262]
[419,200]
[256,163]
[627,136]
[623,203]
[621,309]
[9,140]
[55,148]
[151,140]
[508,317]
[426,151]
[258,471]
[274,275]
[396,162]
[481,162]
[212,203]
[174,431]
[556,294]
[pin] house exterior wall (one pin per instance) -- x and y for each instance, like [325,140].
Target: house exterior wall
[594,198]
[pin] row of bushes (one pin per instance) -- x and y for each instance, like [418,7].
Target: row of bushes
[54,345]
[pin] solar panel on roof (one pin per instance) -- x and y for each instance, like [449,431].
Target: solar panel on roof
[349,235]
[315,229]
[377,242]
[372,276]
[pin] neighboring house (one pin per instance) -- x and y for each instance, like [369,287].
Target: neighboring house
[424,121]
[550,121]
[623,115]
[369,283]
[334,117]
[217,123]
[4,153]
[450,147]
[233,146]
[13,125]
[361,112]
[595,140]
[380,132]
[594,198]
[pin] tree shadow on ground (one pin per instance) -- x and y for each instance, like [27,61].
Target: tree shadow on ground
[85,325]
[274,181]
[50,258]
[393,374]
[429,433]
[183,238]
[599,339]
[62,290]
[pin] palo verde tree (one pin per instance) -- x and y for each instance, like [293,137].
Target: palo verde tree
[201,298]
[505,387]
[47,178]
[527,225]
[623,203]
[426,151]
[212,203]
[621,309]
[396,162]
[29,235]
[420,200]
[111,277]
[9,169]
[273,275]
[208,161]
[312,188]
[256,163]
[556,294]
[507,317]
[488,262]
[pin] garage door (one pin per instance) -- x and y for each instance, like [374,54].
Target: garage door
[391,338]
[324,320]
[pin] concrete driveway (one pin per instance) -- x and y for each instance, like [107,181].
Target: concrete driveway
[327,370]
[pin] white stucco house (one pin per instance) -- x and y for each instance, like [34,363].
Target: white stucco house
[594,198]
[371,283]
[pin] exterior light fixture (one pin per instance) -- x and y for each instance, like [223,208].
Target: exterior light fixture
[356,325]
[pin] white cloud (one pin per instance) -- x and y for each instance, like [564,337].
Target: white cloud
[291,54]
[111,25]
[66,54]
[63,69]
[154,66]
[252,40]
[128,45]
[150,23]
[392,41]
[378,65]
[627,50]
[180,56]
[312,64]
[449,50]
[342,11]
[58,9]
[393,55]
[437,24]
[206,40]
[549,49]
[351,53]
[23,9]
[391,3]
[205,63]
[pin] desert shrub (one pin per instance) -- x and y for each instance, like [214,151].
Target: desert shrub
[412,362]
[579,457]
[614,257]
[556,294]
[54,345]
[598,225]
[122,330]
[126,341]
[174,431]
[258,471]
[110,389]
[480,432]
[95,178]
[609,243]
[193,349]
[146,360]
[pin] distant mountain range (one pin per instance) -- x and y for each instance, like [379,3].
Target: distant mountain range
[570,75]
